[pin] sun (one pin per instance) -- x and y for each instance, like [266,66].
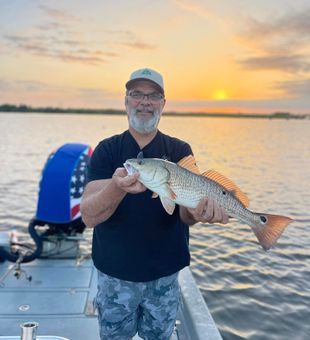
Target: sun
[220,95]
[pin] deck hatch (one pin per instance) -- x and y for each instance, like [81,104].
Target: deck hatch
[52,277]
[43,303]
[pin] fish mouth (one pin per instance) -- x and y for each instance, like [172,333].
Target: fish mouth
[129,168]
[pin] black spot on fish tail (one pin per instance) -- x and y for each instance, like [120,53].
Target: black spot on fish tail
[263,218]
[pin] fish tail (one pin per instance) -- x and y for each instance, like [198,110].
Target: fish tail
[270,229]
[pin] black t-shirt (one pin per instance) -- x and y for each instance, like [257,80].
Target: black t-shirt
[140,241]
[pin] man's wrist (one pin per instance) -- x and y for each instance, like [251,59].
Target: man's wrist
[187,216]
[114,187]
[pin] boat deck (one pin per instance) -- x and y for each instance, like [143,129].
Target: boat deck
[60,298]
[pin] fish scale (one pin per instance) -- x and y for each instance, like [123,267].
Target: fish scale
[192,188]
[175,184]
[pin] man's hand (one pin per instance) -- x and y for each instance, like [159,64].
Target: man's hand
[209,211]
[127,183]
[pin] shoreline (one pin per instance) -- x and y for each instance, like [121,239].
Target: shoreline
[6,108]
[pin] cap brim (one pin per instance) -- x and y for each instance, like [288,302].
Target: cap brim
[131,82]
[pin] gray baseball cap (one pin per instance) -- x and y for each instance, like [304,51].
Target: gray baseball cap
[146,74]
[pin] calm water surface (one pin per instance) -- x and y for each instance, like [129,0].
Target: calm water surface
[252,294]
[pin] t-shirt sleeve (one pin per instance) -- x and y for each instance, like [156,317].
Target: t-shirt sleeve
[181,150]
[100,165]
[185,151]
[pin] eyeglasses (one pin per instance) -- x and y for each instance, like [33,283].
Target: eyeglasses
[153,97]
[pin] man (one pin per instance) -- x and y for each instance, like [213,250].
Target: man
[138,248]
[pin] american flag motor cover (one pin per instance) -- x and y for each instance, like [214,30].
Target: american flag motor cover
[62,183]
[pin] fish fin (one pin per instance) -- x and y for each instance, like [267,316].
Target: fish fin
[171,193]
[189,163]
[228,185]
[269,233]
[140,155]
[168,204]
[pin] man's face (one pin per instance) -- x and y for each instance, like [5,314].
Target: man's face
[144,105]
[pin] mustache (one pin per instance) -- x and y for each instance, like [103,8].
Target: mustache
[145,110]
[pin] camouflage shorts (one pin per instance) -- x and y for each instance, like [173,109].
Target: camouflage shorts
[125,308]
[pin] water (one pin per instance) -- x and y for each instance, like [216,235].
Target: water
[252,294]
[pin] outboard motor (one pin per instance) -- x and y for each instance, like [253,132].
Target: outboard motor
[58,208]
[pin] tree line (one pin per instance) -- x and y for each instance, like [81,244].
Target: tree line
[29,109]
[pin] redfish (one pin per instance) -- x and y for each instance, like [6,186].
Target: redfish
[183,184]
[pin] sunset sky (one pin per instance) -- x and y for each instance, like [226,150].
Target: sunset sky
[215,56]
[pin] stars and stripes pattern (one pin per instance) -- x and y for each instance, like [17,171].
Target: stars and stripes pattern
[78,182]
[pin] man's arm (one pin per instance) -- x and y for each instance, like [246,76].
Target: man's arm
[207,211]
[102,197]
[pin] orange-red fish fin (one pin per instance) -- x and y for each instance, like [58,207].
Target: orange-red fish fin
[154,195]
[228,185]
[168,204]
[173,195]
[170,192]
[189,163]
[268,234]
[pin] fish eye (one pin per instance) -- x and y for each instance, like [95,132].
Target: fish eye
[263,218]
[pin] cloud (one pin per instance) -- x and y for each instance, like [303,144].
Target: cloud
[294,23]
[280,43]
[68,50]
[37,93]
[120,37]
[124,34]
[293,105]
[288,63]
[129,39]
[41,94]
[57,40]
[97,94]
[91,60]
[295,88]
[50,26]
[30,87]
[57,14]
[62,37]
[22,85]
[138,45]
[194,7]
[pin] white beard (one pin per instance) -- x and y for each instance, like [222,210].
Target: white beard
[143,125]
